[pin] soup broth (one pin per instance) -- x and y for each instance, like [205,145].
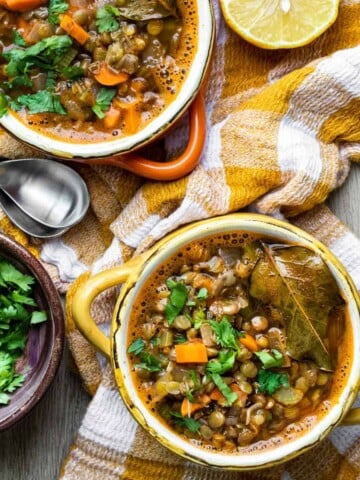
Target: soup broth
[239,343]
[82,72]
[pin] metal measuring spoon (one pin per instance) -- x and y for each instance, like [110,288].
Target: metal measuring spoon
[26,223]
[48,192]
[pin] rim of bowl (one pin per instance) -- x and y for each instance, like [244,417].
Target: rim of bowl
[39,384]
[156,127]
[162,250]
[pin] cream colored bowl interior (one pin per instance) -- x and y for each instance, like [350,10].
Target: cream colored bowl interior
[260,458]
[186,94]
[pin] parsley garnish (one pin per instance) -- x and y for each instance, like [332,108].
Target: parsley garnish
[270,381]
[224,362]
[106,19]
[186,422]
[16,315]
[103,101]
[18,39]
[226,334]
[72,72]
[230,396]
[177,300]
[149,362]
[179,338]
[270,360]
[202,294]
[3,105]
[137,346]
[39,102]
[198,318]
[55,8]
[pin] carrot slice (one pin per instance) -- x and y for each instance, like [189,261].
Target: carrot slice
[108,77]
[74,29]
[22,5]
[188,408]
[191,353]
[112,118]
[249,342]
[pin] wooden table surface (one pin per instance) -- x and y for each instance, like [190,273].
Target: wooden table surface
[35,448]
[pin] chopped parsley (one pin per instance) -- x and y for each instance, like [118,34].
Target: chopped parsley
[106,20]
[18,39]
[56,7]
[186,422]
[103,101]
[177,300]
[230,396]
[149,362]
[198,318]
[270,381]
[270,359]
[224,362]
[137,346]
[39,102]
[17,313]
[226,335]
[202,294]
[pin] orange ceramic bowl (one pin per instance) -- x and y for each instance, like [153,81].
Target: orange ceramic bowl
[115,151]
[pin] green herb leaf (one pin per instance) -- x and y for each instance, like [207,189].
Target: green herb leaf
[137,346]
[40,102]
[202,294]
[224,388]
[72,72]
[270,360]
[4,399]
[56,7]
[18,39]
[149,362]
[186,422]
[103,101]
[177,300]
[106,20]
[39,316]
[270,381]
[226,335]
[179,338]
[198,318]
[10,274]
[3,105]
[224,362]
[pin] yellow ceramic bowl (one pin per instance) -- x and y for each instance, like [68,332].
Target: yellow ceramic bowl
[138,270]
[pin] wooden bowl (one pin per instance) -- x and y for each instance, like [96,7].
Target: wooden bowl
[45,343]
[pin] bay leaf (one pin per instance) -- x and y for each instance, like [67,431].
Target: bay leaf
[145,10]
[298,282]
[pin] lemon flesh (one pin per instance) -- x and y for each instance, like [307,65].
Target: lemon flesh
[279,23]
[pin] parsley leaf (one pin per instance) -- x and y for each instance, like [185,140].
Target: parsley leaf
[106,19]
[16,315]
[179,338]
[55,8]
[72,72]
[270,360]
[3,105]
[224,362]
[270,381]
[224,388]
[137,346]
[103,101]
[149,362]
[198,318]
[177,300]
[226,334]
[186,422]
[39,102]
[202,294]
[18,39]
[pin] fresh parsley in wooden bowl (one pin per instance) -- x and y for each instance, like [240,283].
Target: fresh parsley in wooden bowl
[31,331]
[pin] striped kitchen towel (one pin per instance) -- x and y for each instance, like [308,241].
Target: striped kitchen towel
[283,127]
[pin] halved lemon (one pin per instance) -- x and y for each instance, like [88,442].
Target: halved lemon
[280,23]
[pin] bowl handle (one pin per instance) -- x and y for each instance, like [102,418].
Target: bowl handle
[165,171]
[85,295]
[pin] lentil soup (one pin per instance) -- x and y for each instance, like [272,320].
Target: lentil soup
[239,343]
[84,71]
